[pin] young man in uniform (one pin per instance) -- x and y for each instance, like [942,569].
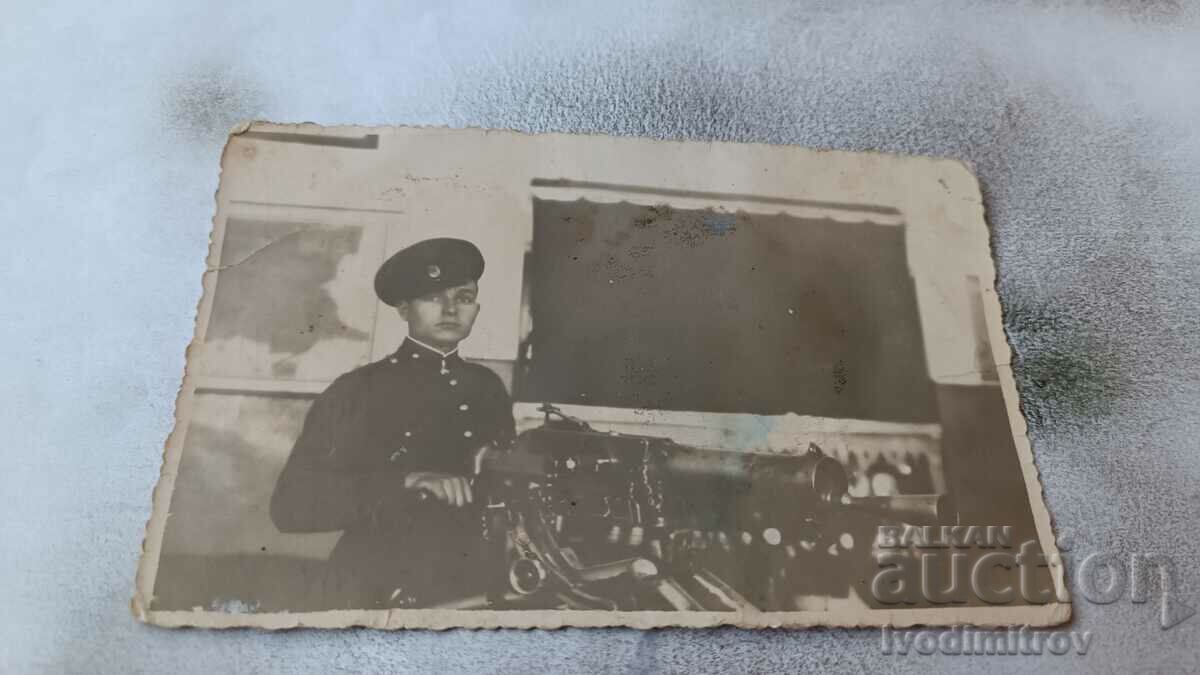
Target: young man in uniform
[387,450]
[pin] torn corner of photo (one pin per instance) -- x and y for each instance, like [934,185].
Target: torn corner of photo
[465,378]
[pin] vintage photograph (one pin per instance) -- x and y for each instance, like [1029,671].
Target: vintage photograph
[473,378]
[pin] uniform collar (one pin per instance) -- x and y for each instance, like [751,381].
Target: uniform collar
[413,350]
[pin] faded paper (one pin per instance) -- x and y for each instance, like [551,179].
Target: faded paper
[749,385]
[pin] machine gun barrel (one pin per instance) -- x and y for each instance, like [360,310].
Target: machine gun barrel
[812,476]
[930,509]
[801,483]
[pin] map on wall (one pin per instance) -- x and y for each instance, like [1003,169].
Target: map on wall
[293,301]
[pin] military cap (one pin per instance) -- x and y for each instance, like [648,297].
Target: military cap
[428,266]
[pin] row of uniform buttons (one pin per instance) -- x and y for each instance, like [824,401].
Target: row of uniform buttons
[464,407]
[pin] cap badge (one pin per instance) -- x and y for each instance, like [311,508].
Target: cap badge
[434,271]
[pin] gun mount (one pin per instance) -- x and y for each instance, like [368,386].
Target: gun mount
[586,519]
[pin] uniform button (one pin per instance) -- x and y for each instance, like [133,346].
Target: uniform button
[464,406]
[468,434]
[393,360]
[453,383]
[416,355]
[408,434]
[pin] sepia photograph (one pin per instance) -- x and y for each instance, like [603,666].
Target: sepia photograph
[450,378]
[622,337]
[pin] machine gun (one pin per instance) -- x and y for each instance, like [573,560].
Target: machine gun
[584,519]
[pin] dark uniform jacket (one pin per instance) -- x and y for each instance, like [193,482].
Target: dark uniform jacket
[412,411]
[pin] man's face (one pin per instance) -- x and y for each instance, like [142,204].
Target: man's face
[442,318]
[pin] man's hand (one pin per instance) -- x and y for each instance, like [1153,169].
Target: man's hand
[447,488]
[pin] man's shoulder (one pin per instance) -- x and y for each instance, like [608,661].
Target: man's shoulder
[353,380]
[483,373]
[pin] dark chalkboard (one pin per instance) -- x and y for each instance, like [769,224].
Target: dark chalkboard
[656,307]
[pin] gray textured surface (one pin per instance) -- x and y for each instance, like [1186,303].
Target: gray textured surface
[1081,121]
